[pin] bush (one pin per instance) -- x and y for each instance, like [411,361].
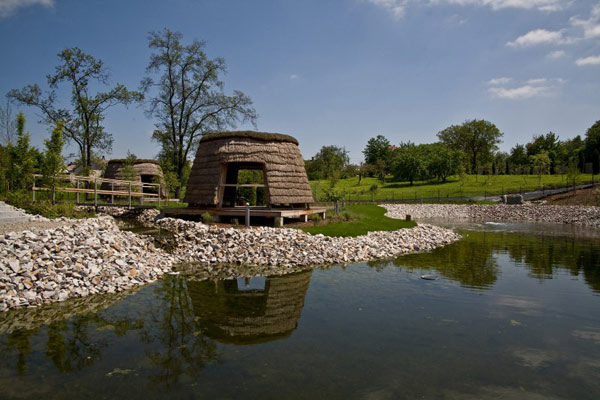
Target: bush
[315,218]
[45,208]
[207,218]
[235,222]
[346,216]
[277,222]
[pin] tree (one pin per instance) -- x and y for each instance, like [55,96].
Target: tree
[548,143]
[329,162]
[82,123]
[7,123]
[22,158]
[442,161]
[592,146]
[540,164]
[378,148]
[187,97]
[518,160]
[477,139]
[409,163]
[53,159]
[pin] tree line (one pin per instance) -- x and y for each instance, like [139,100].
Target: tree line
[181,91]
[468,148]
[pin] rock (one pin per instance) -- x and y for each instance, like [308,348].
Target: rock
[14,264]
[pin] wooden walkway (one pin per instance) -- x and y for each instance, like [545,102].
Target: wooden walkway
[246,212]
[129,189]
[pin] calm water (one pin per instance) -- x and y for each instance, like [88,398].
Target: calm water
[512,315]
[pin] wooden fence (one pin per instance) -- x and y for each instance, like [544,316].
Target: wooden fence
[93,185]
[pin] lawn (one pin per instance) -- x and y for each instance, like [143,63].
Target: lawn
[472,186]
[369,218]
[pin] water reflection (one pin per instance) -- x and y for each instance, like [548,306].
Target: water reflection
[250,311]
[473,260]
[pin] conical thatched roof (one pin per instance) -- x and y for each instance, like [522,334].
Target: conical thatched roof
[114,170]
[285,176]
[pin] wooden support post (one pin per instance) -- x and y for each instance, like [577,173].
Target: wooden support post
[77,194]
[281,222]
[129,194]
[305,218]
[95,192]
[247,215]
[159,195]
[112,196]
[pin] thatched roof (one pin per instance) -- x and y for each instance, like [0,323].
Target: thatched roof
[285,176]
[263,136]
[114,170]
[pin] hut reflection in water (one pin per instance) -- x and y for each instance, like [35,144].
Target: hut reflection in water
[250,311]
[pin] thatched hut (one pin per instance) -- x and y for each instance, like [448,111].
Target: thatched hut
[214,176]
[146,171]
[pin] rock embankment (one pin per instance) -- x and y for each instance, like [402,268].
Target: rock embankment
[92,256]
[78,259]
[281,250]
[587,216]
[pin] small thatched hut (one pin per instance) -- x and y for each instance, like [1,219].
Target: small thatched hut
[146,171]
[222,155]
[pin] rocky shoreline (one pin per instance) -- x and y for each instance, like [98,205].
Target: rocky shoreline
[576,215]
[80,258]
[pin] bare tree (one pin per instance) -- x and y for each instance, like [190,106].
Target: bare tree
[7,123]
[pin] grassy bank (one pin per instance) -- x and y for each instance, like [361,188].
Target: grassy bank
[454,187]
[367,218]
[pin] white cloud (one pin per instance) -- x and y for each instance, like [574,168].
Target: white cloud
[537,87]
[590,26]
[294,77]
[542,5]
[537,37]
[555,55]
[518,93]
[9,7]
[395,7]
[591,60]
[499,81]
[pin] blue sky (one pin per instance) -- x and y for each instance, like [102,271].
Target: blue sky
[337,71]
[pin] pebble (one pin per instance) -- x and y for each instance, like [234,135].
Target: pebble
[532,212]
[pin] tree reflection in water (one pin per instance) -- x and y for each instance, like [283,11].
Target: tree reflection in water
[472,261]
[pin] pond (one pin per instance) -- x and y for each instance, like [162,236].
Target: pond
[513,312]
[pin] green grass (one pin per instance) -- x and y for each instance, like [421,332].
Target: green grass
[370,218]
[472,186]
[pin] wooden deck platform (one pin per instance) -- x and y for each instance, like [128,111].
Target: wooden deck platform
[264,212]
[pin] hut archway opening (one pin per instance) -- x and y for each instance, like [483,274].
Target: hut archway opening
[243,183]
[150,179]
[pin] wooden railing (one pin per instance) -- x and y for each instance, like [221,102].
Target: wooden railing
[133,189]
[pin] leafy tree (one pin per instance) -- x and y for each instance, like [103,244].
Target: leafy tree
[548,143]
[53,160]
[500,163]
[567,150]
[187,97]
[381,168]
[518,160]
[378,148]
[540,164]
[409,163]
[477,139]
[592,146]
[22,158]
[442,161]
[329,162]
[128,171]
[82,123]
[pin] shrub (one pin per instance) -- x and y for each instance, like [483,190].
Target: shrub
[316,218]
[45,208]
[235,222]
[346,216]
[207,218]
[277,221]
